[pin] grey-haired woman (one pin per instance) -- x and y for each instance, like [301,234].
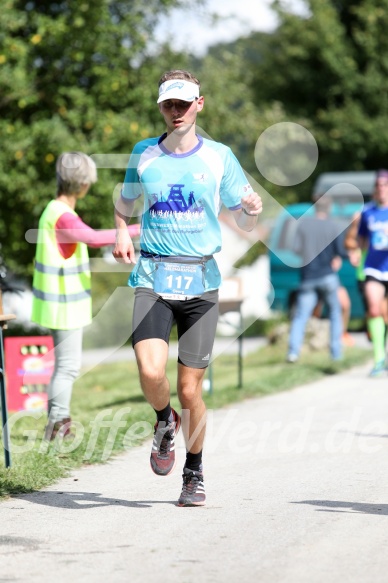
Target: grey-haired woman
[62,283]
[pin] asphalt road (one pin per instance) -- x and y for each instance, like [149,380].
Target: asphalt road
[296,493]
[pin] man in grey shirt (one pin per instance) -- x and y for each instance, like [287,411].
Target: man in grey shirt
[318,242]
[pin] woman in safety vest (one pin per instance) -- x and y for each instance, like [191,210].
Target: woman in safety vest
[61,285]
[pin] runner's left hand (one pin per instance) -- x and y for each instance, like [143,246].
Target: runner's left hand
[252,203]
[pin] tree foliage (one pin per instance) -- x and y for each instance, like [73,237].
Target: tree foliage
[73,75]
[82,75]
[330,66]
[234,114]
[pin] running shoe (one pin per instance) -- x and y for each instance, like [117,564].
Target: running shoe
[193,489]
[378,369]
[163,446]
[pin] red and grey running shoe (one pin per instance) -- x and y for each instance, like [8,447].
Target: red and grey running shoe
[193,489]
[163,446]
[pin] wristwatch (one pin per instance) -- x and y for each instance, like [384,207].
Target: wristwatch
[245,212]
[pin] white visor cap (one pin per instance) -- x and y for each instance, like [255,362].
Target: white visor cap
[178,89]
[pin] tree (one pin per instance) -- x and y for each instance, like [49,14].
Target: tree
[233,113]
[330,66]
[73,75]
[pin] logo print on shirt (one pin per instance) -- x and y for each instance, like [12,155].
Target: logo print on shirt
[200,177]
[176,202]
[188,215]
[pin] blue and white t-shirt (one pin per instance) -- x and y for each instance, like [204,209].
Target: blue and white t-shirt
[183,195]
[374,227]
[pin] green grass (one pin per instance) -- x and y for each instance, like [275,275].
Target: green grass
[110,395]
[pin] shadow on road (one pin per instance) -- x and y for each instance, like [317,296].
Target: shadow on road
[86,500]
[350,507]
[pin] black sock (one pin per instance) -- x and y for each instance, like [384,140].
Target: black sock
[164,415]
[194,461]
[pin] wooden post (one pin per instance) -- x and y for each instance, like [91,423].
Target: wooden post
[4,318]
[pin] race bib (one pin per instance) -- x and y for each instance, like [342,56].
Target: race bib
[179,281]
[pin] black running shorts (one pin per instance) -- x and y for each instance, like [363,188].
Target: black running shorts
[196,320]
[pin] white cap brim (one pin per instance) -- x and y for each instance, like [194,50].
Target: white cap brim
[178,89]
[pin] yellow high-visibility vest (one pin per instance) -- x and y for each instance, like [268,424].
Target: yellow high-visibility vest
[61,287]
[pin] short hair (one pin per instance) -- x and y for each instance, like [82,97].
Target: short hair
[322,204]
[382,173]
[178,74]
[74,170]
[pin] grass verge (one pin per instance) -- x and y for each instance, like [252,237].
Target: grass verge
[111,415]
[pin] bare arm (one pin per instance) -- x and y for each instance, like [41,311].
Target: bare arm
[123,251]
[363,243]
[351,239]
[355,244]
[246,217]
[359,241]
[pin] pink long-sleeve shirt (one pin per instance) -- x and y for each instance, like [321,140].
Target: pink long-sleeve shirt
[70,230]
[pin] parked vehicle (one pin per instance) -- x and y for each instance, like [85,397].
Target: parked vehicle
[284,263]
[14,297]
